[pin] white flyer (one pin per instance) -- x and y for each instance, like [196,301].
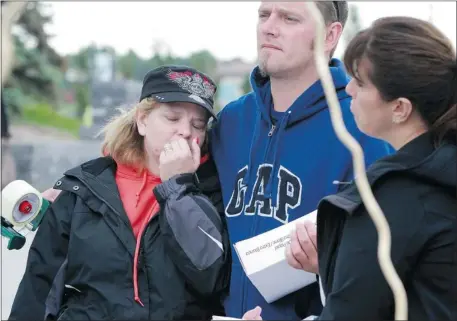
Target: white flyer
[219,318]
[263,259]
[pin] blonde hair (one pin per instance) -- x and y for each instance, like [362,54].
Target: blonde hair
[121,138]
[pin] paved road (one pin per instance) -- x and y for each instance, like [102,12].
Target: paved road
[22,133]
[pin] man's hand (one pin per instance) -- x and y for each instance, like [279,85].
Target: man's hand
[178,157]
[302,251]
[51,194]
[253,314]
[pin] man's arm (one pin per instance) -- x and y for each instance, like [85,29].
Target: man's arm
[51,194]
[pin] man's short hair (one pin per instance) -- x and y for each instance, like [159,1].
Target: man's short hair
[334,11]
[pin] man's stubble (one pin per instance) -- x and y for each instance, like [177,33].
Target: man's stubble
[263,62]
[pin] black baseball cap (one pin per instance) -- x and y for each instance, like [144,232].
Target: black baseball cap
[173,83]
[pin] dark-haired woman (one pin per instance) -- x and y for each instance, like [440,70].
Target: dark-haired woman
[404,92]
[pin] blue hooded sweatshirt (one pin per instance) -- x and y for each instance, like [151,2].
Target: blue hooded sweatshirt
[274,168]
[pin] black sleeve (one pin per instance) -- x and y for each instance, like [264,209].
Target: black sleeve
[195,233]
[359,290]
[47,253]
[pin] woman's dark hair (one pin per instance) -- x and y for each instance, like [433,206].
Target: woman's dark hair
[411,58]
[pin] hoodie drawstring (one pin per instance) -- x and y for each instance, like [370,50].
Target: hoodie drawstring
[271,187]
[254,143]
[138,241]
[137,195]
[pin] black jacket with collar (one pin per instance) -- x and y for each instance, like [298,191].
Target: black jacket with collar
[416,190]
[80,263]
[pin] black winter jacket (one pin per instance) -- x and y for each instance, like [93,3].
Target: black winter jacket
[416,189]
[80,264]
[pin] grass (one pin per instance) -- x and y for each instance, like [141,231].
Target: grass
[44,115]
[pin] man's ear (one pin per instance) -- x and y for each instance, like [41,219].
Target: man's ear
[334,31]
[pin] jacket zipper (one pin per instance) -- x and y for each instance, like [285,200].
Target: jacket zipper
[254,227]
[270,134]
[153,216]
[144,234]
[141,259]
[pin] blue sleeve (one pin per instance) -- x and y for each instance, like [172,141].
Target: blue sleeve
[214,132]
[374,149]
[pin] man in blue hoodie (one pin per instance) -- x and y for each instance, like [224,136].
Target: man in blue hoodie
[275,148]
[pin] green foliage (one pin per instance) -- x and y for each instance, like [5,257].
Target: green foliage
[80,60]
[204,61]
[36,74]
[44,115]
[14,98]
[246,88]
[82,98]
[132,66]
[128,63]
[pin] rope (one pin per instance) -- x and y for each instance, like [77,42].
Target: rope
[10,13]
[373,208]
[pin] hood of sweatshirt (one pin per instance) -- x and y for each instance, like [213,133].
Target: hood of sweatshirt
[309,103]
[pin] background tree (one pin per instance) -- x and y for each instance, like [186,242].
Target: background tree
[246,88]
[37,72]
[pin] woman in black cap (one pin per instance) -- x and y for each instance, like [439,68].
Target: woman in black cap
[140,232]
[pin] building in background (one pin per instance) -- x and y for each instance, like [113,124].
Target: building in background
[231,76]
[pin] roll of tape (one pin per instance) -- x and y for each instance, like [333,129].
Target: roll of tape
[21,203]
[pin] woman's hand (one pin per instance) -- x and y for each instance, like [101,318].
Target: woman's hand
[178,157]
[253,314]
[302,251]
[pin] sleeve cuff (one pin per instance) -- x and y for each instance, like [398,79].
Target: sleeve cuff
[176,185]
